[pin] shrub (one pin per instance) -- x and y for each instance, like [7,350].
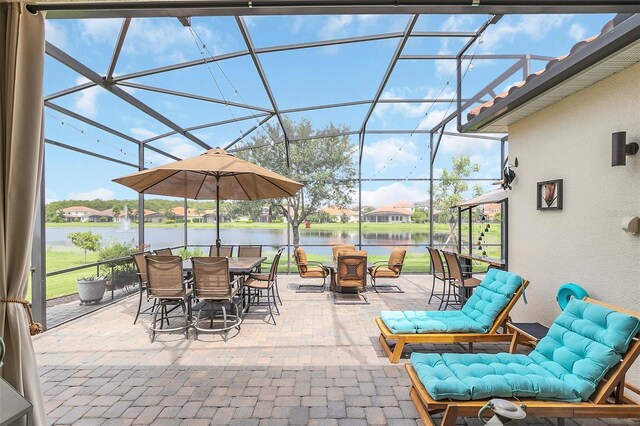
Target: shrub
[185,253]
[169,221]
[248,221]
[87,241]
[120,272]
[277,221]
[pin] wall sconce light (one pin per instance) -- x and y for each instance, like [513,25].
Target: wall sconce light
[620,149]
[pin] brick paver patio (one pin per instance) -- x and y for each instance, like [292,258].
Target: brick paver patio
[320,365]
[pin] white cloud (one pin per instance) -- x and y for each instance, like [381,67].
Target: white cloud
[94,194]
[164,39]
[392,193]
[535,27]
[142,133]
[401,150]
[577,31]
[86,101]
[55,34]
[340,26]
[50,195]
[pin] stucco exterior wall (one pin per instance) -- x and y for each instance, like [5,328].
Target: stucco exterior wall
[583,243]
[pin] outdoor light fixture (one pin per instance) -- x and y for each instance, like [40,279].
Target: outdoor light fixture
[620,149]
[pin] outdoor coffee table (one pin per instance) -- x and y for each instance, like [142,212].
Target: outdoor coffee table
[333,268]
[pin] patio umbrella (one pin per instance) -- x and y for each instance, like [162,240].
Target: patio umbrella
[214,174]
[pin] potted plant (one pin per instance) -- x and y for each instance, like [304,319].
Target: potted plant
[91,289]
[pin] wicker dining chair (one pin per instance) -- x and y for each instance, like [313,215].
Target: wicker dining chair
[438,272]
[460,284]
[251,251]
[166,287]
[212,286]
[351,274]
[265,283]
[163,252]
[225,251]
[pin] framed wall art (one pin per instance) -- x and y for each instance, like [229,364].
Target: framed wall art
[550,195]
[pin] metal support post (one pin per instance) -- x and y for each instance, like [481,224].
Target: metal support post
[186,240]
[431,189]
[39,260]
[141,201]
[361,148]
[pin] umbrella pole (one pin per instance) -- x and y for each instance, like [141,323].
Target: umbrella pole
[218,243]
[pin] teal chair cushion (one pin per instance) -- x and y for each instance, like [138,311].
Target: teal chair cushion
[430,322]
[583,343]
[491,296]
[477,315]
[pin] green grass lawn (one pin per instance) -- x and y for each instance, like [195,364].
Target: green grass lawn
[63,257]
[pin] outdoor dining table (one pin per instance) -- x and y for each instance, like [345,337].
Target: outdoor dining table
[333,268]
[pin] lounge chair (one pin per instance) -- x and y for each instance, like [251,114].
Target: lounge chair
[576,371]
[478,320]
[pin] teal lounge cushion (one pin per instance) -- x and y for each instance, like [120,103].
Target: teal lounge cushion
[477,315]
[583,343]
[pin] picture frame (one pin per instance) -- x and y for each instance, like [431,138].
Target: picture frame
[549,195]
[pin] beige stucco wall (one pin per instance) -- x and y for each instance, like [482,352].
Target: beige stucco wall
[583,243]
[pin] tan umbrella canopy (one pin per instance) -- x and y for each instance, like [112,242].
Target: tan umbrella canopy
[214,175]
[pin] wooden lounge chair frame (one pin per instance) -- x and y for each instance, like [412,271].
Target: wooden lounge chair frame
[490,336]
[607,401]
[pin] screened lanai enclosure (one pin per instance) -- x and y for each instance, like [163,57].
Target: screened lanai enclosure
[133,88]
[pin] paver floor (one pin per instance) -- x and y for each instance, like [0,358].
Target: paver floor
[320,364]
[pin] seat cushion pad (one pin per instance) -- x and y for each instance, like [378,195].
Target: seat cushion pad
[430,322]
[479,376]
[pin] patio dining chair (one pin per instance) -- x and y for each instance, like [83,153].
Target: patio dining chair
[225,251]
[250,251]
[460,284]
[163,252]
[351,276]
[141,267]
[212,286]
[336,249]
[438,272]
[166,287]
[388,269]
[265,283]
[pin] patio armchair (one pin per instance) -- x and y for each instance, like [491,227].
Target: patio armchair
[163,252]
[225,251]
[166,287]
[351,275]
[478,321]
[141,267]
[265,283]
[460,284]
[336,249]
[309,269]
[388,269]
[213,287]
[576,371]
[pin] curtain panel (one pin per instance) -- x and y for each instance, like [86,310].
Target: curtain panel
[21,157]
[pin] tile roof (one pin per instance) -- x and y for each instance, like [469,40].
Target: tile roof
[335,211]
[551,64]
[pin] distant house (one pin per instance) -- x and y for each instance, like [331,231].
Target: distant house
[154,217]
[338,213]
[191,215]
[399,212]
[490,210]
[83,214]
[209,216]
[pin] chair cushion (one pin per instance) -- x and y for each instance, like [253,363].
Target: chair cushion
[396,258]
[314,272]
[383,271]
[491,296]
[476,316]
[479,376]
[430,322]
[338,247]
[583,343]
[301,256]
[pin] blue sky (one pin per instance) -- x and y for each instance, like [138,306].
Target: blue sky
[298,78]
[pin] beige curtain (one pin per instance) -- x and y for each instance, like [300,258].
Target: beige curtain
[21,156]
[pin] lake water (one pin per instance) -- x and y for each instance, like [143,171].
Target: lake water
[168,237]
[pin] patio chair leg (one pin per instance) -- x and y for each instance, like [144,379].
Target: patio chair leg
[450,416]
[224,316]
[278,291]
[139,307]
[185,311]
[273,293]
[433,287]
[153,324]
[271,311]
